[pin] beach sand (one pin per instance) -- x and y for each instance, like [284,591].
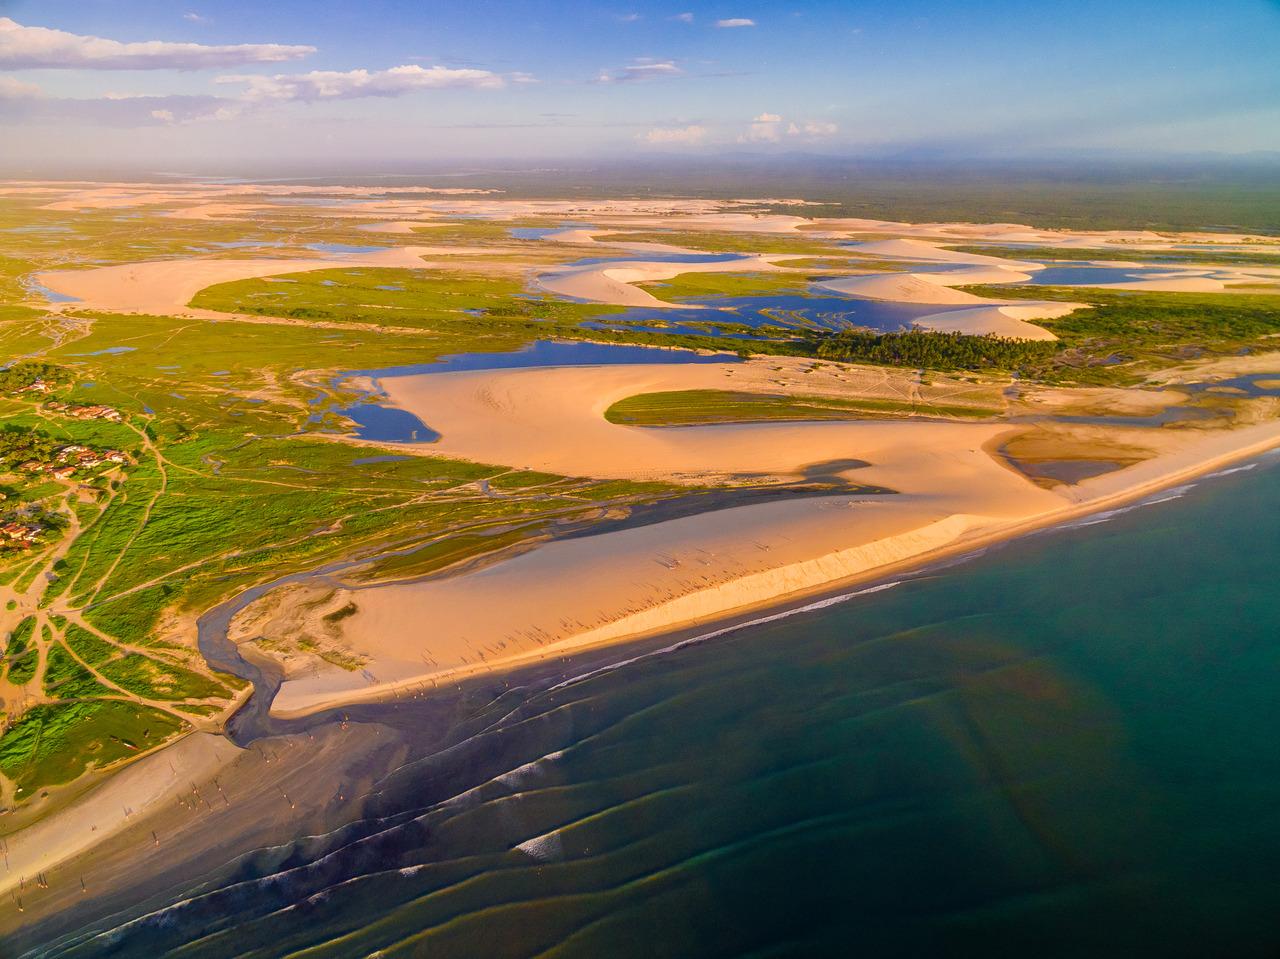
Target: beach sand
[124,798]
[952,493]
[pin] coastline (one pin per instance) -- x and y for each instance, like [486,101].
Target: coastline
[1095,496]
[344,750]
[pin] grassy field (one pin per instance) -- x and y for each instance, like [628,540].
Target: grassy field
[691,286]
[1125,334]
[465,304]
[690,407]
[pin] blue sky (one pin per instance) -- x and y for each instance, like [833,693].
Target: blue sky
[229,79]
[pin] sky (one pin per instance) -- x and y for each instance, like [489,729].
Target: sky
[224,81]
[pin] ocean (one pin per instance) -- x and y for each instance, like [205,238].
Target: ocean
[1065,746]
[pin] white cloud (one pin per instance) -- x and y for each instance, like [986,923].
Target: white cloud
[683,17]
[812,128]
[766,128]
[736,22]
[194,17]
[641,70]
[38,47]
[691,135]
[629,18]
[164,116]
[11,88]
[334,85]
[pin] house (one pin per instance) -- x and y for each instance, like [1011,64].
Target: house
[21,532]
[62,472]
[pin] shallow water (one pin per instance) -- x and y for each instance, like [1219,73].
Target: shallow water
[344,248]
[817,310]
[1087,275]
[550,353]
[1063,747]
[32,286]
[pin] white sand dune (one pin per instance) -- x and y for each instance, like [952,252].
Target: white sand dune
[1007,321]
[901,288]
[907,249]
[612,282]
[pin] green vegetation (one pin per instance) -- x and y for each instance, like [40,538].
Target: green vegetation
[154,679]
[20,637]
[1125,333]
[1043,253]
[88,646]
[20,376]
[55,742]
[64,678]
[445,302]
[931,351]
[688,407]
[688,286]
[445,553]
[19,444]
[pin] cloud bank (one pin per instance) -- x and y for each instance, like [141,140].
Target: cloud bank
[352,84]
[42,48]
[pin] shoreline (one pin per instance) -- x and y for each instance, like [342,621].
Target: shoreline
[675,636]
[1261,439]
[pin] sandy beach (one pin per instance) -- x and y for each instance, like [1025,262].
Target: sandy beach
[952,493]
[133,793]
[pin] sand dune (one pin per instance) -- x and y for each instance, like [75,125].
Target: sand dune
[1007,321]
[165,287]
[952,494]
[619,584]
[612,282]
[934,253]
